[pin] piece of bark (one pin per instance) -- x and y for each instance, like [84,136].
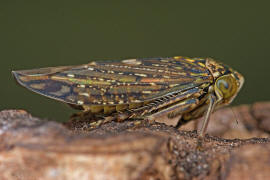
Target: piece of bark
[248,162]
[36,149]
[261,112]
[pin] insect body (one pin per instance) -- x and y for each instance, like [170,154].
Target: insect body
[139,88]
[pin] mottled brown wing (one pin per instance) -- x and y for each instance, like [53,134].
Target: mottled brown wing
[116,82]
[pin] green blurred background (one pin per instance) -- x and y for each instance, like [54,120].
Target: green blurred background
[54,33]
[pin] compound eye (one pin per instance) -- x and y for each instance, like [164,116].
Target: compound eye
[227,86]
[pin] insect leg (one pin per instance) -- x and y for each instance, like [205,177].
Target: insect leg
[101,120]
[176,110]
[168,103]
[211,106]
[93,120]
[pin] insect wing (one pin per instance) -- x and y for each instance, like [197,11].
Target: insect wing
[116,82]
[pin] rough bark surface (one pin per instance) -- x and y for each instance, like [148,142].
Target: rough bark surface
[31,148]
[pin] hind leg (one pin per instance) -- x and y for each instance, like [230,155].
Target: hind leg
[87,120]
[90,120]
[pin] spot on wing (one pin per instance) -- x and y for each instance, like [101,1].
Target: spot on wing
[132,61]
[64,90]
[38,86]
[93,63]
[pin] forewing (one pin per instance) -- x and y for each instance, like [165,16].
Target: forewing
[116,82]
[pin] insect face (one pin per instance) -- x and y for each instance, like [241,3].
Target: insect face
[228,82]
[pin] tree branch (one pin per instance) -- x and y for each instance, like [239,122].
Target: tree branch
[32,148]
